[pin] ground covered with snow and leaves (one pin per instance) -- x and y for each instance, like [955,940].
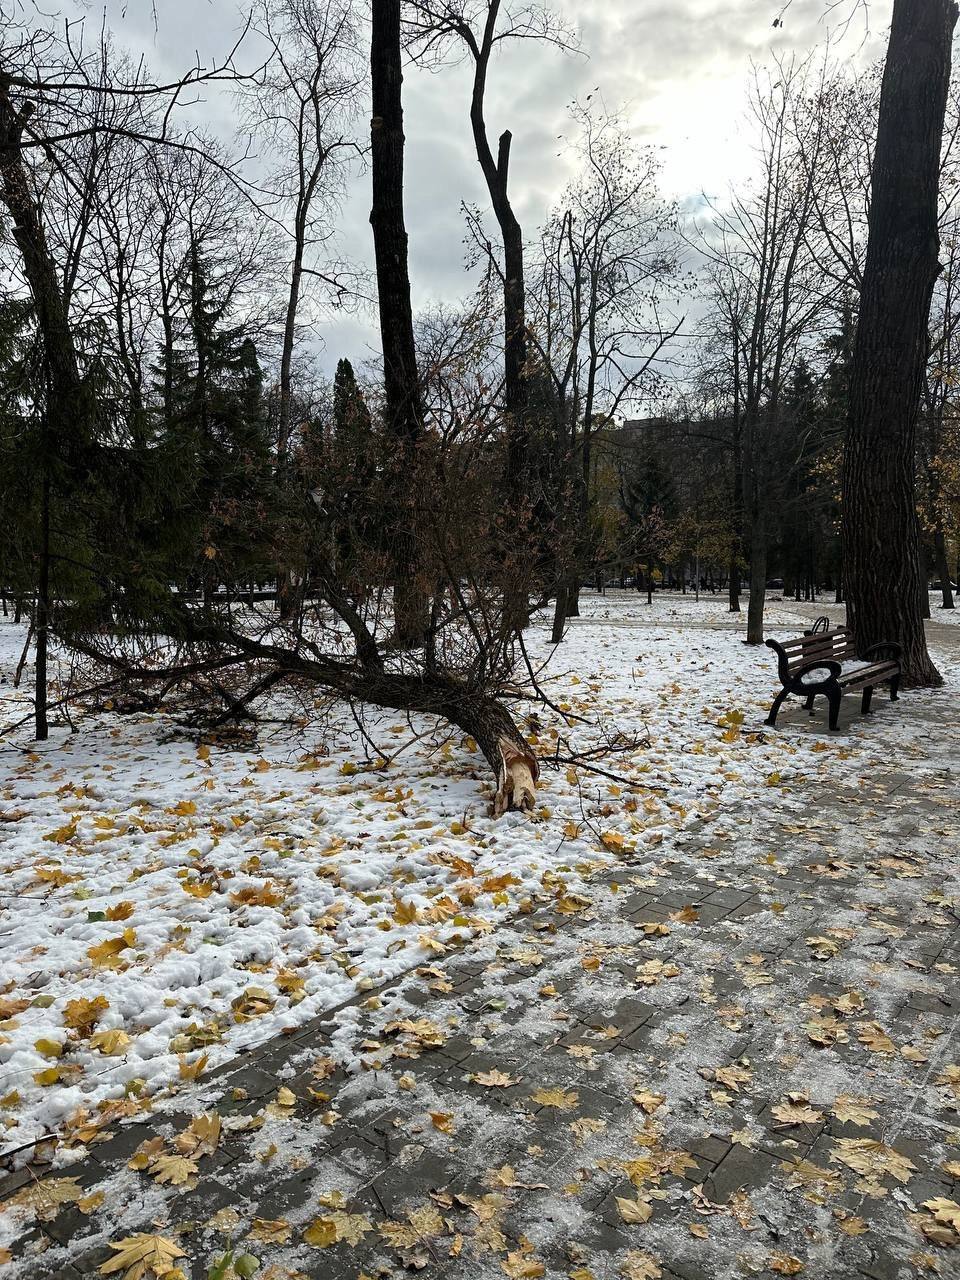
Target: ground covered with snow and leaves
[296,1006]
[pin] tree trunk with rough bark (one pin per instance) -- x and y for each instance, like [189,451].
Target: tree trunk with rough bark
[943,568]
[403,393]
[881,534]
[758,580]
[736,550]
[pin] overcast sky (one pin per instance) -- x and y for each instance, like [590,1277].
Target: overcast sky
[678,68]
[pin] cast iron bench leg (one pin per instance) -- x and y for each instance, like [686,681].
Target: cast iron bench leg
[894,687]
[777,704]
[834,697]
[865,700]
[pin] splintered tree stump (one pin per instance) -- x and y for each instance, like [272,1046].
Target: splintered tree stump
[516,778]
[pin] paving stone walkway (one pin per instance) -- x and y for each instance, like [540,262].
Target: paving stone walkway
[735,1056]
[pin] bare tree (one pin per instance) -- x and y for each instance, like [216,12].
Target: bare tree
[767,295]
[600,316]
[476,29]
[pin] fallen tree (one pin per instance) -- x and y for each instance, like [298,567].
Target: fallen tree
[259,663]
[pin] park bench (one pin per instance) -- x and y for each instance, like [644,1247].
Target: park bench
[826,662]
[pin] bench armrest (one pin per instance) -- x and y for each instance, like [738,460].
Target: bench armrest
[896,649]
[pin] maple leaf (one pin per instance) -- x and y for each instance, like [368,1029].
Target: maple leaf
[634,1210]
[64,833]
[945,1211]
[225,1219]
[107,954]
[639,1266]
[442,1120]
[519,1266]
[849,1110]
[422,1224]
[562,1099]
[173,1170]
[120,911]
[875,1038]
[612,841]
[110,1043]
[49,1048]
[493,1079]
[136,1255]
[351,1227]
[47,1197]
[264,895]
[733,1076]
[192,1070]
[649,1102]
[270,1230]
[201,1136]
[585,1126]
[82,1015]
[796,1110]
[873,1159]
[849,1002]
[253,1003]
[146,1153]
[321,1233]
[197,888]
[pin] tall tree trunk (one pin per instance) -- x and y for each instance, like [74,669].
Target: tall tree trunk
[496,174]
[736,549]
[65,402]
[758,579]
[42,615]
[943,568]
[404,405]
[881,533]
[286,594]
[559,614]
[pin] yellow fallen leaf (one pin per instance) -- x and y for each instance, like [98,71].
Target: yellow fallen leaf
[110,1043]
[634,1210]
[141,1254]
[82,1014]
[562,1099]
[49,1048]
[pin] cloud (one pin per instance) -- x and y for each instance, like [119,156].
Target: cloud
[679,67]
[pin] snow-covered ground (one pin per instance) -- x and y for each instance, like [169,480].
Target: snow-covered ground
[168,901]
[679,607]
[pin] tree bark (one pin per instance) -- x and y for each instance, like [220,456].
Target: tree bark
[881,533]
[943,568]
[758,580]
[403,392]
[736,550]
[65,400]
[516,384]
[42,615]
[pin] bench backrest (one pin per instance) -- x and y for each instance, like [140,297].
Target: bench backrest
[836,645]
